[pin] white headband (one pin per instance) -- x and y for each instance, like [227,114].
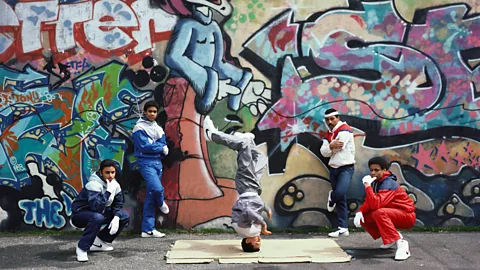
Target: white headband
[331,114]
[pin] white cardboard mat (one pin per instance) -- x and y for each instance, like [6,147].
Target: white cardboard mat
[317,250]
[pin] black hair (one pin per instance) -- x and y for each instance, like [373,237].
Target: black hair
[107,163]
[149,104]
[379,161]
[329,111]
[248,247]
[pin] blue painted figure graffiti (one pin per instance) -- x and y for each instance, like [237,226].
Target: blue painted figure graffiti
[199,77]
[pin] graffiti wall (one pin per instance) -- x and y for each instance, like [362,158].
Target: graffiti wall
[75,74]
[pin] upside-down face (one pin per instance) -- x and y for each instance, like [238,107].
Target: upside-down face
[255,241]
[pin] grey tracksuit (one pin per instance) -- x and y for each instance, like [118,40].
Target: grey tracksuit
[247,211]
[251,162]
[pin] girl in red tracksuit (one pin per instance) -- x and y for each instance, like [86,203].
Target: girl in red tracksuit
[386,208]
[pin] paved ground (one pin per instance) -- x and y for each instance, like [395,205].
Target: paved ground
[429,251]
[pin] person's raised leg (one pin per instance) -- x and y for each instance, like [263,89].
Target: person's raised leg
[149,173]
[260,162]
[338,196]
[159,193]
[233,142]
[245,148]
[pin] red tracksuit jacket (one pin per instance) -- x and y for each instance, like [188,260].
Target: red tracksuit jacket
[386,193]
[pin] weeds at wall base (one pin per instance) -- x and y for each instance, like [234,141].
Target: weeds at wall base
[322,230]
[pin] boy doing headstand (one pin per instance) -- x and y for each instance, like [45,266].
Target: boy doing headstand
[247,212]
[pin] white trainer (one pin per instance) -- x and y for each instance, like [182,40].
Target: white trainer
[403,252]
[387,246]
[100,245]
[164,208]
[330,208]
[208,128]
[247,135]
[81,255]
[339,232]
[153,234]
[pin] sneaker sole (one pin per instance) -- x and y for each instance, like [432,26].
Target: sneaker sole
[207,137]
[402,259]
[340,235]
[152,236]
[100,250]
[387,246]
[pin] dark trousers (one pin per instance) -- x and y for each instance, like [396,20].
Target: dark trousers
[340,179]
[92,222]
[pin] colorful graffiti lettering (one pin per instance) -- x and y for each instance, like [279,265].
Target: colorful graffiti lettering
[381,71]
[102,27]
[46,212]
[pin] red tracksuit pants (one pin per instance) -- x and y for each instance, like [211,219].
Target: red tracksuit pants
[384,222]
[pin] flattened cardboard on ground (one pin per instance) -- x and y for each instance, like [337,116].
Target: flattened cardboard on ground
[237,260]
[317,250]
[191,261]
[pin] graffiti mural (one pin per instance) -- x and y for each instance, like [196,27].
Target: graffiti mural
[75,74]
[103,28]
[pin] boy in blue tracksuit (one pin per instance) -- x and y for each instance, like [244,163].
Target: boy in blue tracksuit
[150,148]
[99,202]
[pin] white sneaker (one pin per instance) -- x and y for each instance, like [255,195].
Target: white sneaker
[208,128]
[387,246]
[246,135]
[81,255]
[403,252]
[154,234]
[330,208]
[339,232]
[164,208]
[100,245]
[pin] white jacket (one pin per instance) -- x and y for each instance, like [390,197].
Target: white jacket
[339,157]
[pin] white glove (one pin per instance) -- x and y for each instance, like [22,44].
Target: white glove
[112,187]
[165,150]
[114,225]
[368,179]
[357,219]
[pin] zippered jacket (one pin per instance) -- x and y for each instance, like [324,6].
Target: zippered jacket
[386,193]
[95,197]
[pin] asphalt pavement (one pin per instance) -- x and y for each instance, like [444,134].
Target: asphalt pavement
[447,250]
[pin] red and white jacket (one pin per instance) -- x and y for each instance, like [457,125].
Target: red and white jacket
[386,193]
[339,157]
